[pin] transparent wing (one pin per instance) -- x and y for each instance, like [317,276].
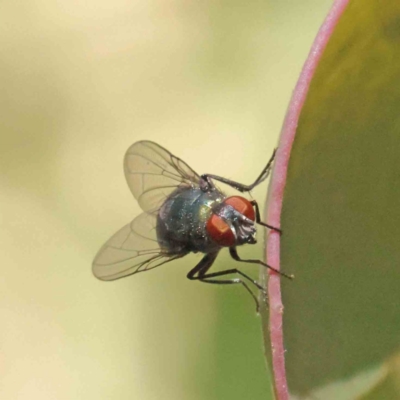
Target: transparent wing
[132,249]
[153,173]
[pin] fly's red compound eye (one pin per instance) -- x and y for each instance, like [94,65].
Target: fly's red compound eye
[242,205]
[220,231]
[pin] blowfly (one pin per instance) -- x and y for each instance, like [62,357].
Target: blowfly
[183,213]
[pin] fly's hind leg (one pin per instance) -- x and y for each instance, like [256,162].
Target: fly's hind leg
[199,272]
[240,186]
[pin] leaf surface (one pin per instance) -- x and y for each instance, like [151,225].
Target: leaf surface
[340,217]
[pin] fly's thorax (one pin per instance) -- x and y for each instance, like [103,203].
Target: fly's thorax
[182,220]
[232,222]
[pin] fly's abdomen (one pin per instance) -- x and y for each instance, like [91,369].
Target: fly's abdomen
[182,219]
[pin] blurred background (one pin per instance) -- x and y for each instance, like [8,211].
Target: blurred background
[81,82]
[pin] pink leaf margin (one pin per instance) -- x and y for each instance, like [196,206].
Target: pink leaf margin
[275,198]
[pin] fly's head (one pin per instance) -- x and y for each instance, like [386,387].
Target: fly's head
[232,222]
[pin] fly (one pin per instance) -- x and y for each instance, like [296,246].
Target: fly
[183,213]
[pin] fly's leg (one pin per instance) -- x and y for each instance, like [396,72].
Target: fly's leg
[199,272]
[204,265]
[232,282]
[240,186]
[235,256]
[258,218]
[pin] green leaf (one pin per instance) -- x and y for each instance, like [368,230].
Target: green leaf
[341,219]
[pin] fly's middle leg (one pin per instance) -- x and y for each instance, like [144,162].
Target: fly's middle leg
[234,254]
[199,272]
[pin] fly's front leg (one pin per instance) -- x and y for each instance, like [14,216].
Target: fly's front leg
[199,272]
[235,256]
[240,186]
[258,218]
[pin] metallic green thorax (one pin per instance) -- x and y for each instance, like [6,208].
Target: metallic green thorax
[181,221]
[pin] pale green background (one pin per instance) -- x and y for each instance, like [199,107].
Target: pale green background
[81,81]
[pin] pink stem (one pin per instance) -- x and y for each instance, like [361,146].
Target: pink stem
[276,190]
